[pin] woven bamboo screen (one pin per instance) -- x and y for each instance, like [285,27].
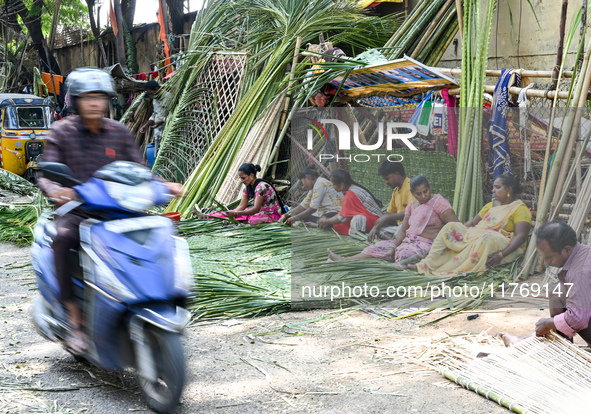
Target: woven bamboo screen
[213,97]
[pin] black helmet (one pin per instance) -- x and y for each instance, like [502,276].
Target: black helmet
[90,80]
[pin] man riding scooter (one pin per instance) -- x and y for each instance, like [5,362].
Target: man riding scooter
[84,143]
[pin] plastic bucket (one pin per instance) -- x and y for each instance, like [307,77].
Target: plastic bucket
[173,215]
[150,155]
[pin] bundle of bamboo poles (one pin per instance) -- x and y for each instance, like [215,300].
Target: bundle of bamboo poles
[468,196]
[536,375]
[551,197]
[256,149]
[426,33]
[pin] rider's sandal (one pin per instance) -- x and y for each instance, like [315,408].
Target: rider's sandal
[76,342]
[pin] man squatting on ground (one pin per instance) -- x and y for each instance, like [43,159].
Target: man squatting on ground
[569,313]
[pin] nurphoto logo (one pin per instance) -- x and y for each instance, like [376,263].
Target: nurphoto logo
[388,131]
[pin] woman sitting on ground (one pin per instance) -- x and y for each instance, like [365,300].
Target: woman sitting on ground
[359,209]
[494,236]
[321,199]
[423,218]
[267,206]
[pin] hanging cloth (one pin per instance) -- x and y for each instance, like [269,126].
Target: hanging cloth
[499,155]
[162,36]
[438,122]
[452,122]
[414,119]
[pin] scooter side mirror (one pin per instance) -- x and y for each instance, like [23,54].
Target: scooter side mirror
[58,172]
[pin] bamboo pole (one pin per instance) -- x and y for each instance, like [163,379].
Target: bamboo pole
[480,390]
[497,73]
[440,31]
[581,207]
[573,171]
[460,18]
[436,20]
[407,23]
[531,93]
[288,96]
[572,139]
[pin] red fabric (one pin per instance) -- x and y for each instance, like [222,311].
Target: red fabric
[162,37]
[113,18]
[352,206]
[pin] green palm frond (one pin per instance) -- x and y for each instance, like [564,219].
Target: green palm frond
[267,30]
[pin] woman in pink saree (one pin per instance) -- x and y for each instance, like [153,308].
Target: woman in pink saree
[423,218]
[267,206]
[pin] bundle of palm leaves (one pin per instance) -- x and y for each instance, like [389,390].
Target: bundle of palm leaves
[267,30]
[239,270]
[16,184]
[245,271]
[17,220]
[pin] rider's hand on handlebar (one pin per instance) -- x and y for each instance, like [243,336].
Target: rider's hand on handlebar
[63,195]
[176,189]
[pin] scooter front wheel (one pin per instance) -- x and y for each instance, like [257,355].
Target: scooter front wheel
[164,394]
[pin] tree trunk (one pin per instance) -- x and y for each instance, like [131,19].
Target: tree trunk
[95,31]
[54,23]
[176,9]
[128,12]
[560,43]
[32,19]
[120,35]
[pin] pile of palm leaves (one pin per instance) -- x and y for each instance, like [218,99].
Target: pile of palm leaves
[17,220]
[268,31]
[246,271]
[310,268]
[239,270]
[16,184]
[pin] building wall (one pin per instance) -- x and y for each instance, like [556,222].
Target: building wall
[518,42]
[149,48]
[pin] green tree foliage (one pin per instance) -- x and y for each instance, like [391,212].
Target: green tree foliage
[73,13]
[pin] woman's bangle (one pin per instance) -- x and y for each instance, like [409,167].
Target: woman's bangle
[500,252]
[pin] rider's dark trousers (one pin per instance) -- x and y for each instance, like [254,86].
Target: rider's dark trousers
[67,238]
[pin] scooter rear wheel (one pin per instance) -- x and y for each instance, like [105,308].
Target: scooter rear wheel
[164,394]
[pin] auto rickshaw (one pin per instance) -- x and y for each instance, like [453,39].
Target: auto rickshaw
[26,120]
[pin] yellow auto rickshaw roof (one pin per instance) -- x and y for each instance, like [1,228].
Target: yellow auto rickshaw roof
[22,99]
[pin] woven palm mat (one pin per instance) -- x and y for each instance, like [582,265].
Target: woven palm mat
[537,375]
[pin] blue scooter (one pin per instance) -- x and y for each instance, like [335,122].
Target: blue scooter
[131,278]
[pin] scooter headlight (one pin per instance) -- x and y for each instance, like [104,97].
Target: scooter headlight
[106,278]
[183,270]
[132,197]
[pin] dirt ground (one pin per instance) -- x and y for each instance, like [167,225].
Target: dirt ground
[296,362]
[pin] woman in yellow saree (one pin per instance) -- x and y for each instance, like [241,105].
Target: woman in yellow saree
[495,235]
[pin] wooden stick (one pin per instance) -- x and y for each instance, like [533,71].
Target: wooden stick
[288,95]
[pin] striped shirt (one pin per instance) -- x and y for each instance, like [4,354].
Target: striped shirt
[84,152]
[576,270]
